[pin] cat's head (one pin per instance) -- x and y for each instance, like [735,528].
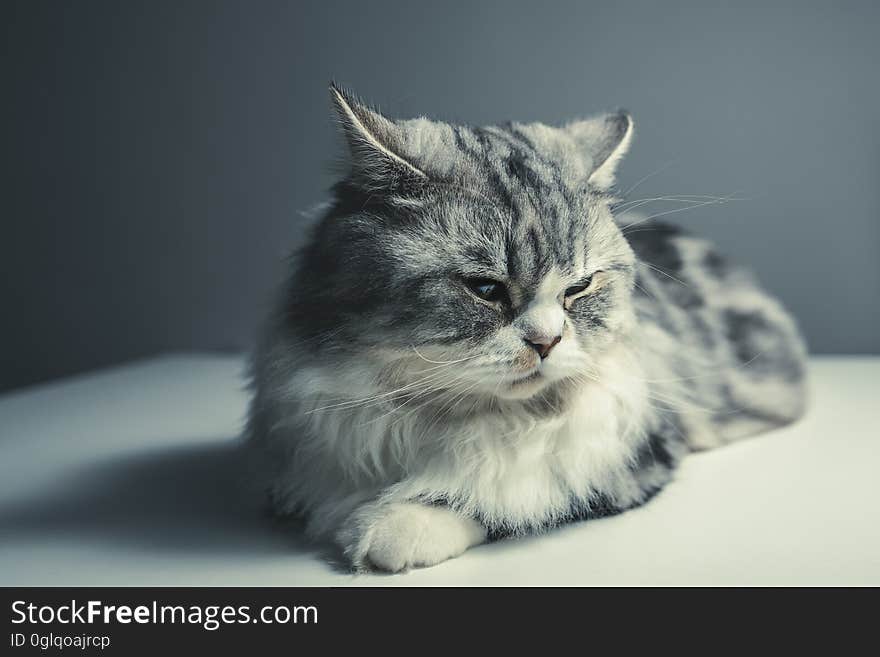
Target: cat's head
[484,259]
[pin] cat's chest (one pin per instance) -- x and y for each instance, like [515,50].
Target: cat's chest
[571,451]
[524,471]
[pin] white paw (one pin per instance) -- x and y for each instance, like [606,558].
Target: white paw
[401,536]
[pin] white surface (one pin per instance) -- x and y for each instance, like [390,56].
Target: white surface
[130,476]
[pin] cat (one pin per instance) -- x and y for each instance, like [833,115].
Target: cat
[471,345]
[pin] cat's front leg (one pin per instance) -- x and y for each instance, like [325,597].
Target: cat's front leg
[397,536]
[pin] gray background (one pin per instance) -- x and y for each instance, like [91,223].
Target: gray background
[155,155]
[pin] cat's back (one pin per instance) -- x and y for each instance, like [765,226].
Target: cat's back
[734,346]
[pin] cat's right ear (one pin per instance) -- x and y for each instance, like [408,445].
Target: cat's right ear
[374,144]
[604,140]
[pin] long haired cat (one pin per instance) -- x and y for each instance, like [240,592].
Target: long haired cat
[471,345]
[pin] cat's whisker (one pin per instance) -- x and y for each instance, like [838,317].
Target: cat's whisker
[695,199]
[629,206]
[716,197]
[669,212]
[447,408]
[353,403]
[444,389]
[662,168]
[431,393]
[660,271]
[433,386]
[645,291]
[443,362]
[501,378]
[444,393]
[643,229]
[428,391]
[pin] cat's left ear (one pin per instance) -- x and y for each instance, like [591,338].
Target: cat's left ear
[604,140]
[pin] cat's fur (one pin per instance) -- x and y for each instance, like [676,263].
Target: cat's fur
[385,400]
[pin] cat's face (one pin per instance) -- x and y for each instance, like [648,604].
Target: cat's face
[478,260]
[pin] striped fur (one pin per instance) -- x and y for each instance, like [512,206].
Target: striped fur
[408,419]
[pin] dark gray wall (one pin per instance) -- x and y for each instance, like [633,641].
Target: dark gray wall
[155,154]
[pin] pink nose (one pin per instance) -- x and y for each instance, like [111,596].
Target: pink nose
[543,345]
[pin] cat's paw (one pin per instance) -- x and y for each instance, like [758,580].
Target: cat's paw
[397,537]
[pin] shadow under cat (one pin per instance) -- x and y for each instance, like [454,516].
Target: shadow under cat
[192,499]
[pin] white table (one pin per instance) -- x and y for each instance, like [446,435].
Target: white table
[130,476]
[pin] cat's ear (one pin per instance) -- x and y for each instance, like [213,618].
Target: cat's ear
[373,143]
[604,140]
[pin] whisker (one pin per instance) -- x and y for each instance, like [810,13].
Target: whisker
[650,175]
[448,407]
[628,206]
[352,403]
[669,212]
[427,391]
[660,271]
[644,290]
[694,199]
[442,362]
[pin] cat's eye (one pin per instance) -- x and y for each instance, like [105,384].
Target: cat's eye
[487,289]
[580,287]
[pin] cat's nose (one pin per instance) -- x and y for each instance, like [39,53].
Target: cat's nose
[543,345]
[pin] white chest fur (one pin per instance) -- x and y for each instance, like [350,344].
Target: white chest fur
[508,468]
[520,472]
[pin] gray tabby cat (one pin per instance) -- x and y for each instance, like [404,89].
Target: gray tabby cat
[471,346]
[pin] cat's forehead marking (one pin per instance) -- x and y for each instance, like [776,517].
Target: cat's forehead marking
[543,216]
